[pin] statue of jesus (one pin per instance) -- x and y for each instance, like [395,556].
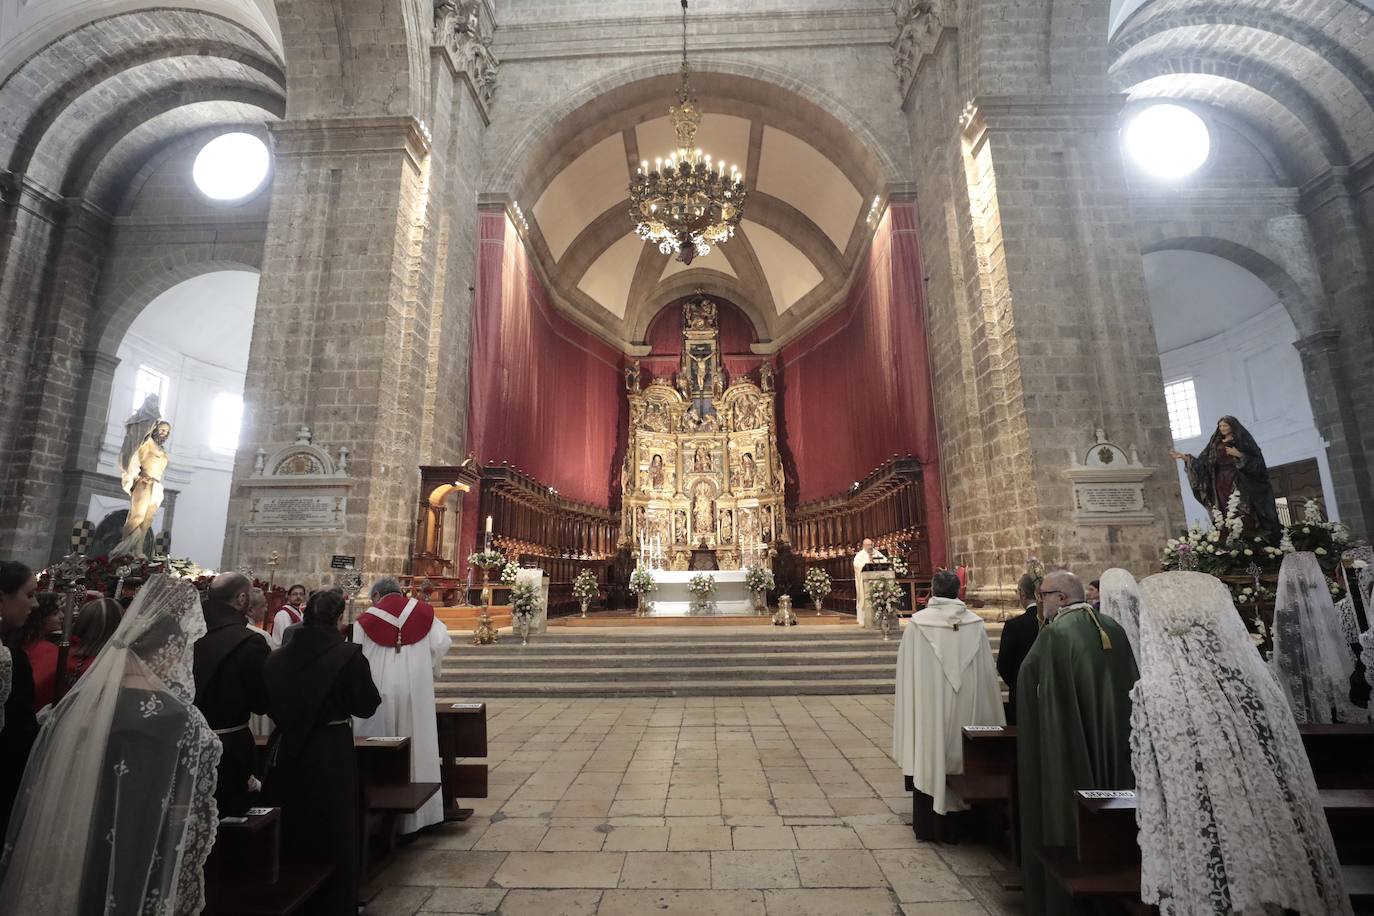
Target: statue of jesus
[142,462]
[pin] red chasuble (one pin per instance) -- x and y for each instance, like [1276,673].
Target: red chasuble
[397,621]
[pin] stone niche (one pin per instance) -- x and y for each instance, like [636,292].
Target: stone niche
[299,489]
[1109,485]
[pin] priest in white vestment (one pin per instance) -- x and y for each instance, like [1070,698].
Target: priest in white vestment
[867,554]
[946,679]
[405,643]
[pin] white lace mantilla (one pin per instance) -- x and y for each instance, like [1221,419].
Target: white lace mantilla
[1228,812]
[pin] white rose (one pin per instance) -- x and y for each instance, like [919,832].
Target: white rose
[1257,638]
[1320,551]
[1249,552]
[1306,530]
[1213,536]
[1246,591]
[1360,564]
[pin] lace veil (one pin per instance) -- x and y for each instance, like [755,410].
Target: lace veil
[1228,812]
[116,813]
[1311,659]
[1120,600]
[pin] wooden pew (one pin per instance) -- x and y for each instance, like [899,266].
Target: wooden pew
[462,734]
[385,793]
[1105,860]
[244,875]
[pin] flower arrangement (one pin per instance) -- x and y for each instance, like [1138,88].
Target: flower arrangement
[817,584]
[524,601]
[487,559]
[508,573]
[702,585]
[642,582]
[758,580]
[584,586]
[899,567]
[103,573]
[883,595]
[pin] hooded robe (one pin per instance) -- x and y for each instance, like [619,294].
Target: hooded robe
[1213,475]
[945,680]
[1073,715]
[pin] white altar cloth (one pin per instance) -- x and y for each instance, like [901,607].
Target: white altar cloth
[671,598]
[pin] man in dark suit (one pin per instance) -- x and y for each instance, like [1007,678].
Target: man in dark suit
[1018,635]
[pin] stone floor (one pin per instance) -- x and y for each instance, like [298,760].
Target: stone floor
[690,807]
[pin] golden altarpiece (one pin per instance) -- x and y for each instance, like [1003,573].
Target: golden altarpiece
[702,471]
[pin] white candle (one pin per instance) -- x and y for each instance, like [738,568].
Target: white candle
[488,524]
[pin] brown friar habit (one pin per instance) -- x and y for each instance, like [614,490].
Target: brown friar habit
[229,661]
[314,683]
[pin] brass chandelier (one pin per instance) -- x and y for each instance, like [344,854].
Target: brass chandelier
[686,203]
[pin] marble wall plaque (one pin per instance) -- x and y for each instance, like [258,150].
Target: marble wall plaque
[1111,497]
[297,510]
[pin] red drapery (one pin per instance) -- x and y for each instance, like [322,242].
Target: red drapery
[856,388]
[545,395]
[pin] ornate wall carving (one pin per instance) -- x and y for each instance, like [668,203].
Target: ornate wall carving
[702,467]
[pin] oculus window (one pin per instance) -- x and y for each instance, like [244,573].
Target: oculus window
[1167,141]
[231,166]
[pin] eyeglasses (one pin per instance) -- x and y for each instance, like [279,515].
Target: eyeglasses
[1060,594]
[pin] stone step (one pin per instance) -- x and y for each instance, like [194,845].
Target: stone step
[662,688]
[680,672]
[599,660]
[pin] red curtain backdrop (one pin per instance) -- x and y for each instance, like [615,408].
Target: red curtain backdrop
[856,388]
[545,395]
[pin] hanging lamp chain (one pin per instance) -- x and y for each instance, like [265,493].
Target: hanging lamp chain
[683,93]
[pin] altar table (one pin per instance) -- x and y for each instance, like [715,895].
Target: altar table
[672,599]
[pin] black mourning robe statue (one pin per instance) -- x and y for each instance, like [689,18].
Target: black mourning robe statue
[17,737]
[229,661]
[1214,474]
[314,684]
[1018,635]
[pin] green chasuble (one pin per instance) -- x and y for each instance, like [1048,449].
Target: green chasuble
[1073,714]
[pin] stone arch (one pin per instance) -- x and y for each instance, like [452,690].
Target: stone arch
[1310,316]
[119,304]
[361,58]
[620,90]
[713,283]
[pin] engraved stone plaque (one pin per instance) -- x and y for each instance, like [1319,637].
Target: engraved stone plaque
[297,510]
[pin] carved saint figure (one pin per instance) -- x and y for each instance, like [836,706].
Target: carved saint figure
[703,514]
[699,314]
[679,526]
[747,413]
[701,460]
[748,473]
[701,370]
[727,526]
[656,473]
[142,462]
[766,377]
[632,376]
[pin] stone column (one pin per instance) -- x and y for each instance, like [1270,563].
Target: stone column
[340,335]
[1335,415]
[1061,291]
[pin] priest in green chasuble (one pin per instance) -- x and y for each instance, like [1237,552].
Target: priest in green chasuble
[1073,712]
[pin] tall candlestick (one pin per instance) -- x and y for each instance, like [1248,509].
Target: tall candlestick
[488,524]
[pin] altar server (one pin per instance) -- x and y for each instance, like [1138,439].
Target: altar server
[867,554]
[405,645]
[1073,712]
[289,613]
[945,680]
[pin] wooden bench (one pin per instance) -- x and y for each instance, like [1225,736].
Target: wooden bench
[1105,860]
[244,875]
[385,794]
[462,735]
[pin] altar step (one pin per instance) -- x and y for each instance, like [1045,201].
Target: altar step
[630,663]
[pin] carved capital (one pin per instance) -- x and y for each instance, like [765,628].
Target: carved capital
[919,25]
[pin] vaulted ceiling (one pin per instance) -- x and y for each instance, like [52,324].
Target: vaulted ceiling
[807,219]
